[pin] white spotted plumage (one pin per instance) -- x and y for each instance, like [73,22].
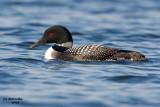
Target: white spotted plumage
[90,52]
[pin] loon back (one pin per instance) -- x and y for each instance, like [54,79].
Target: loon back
[99,52]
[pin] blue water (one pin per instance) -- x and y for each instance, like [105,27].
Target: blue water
[124,24]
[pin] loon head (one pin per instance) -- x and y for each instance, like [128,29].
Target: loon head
[58,35]
[55,34]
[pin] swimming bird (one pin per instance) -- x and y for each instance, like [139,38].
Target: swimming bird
[62,48]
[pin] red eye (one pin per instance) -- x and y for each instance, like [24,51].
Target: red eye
[50,34]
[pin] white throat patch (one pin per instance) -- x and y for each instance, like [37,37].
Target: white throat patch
[53,54]
[50,53]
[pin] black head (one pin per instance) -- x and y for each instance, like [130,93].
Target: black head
[55,34]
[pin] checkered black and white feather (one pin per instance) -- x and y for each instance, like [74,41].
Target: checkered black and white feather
[91,52]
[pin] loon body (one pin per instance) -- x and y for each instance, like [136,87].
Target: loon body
[62,49]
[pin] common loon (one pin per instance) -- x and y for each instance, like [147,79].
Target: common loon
[62,49]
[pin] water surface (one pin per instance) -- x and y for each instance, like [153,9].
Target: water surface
[123,24]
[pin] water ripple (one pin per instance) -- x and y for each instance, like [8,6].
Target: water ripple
[123,24]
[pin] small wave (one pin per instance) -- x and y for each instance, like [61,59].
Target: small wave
[141,37]
[19,60]
[7,28]
[130,79]
[5,75]
[23,45]
[35,24]
[8,78]
[77,33]
[35,3]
